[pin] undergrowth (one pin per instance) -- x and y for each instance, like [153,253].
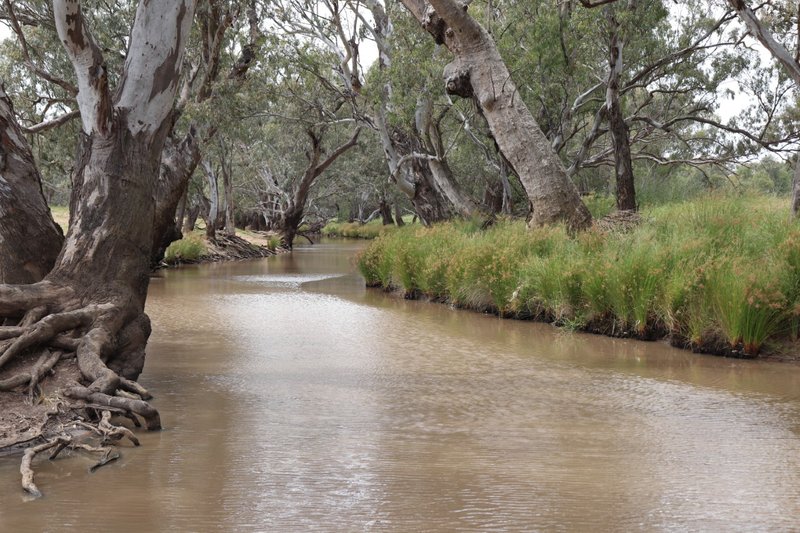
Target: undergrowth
[355,230]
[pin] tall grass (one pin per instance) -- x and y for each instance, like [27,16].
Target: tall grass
[354,230]
[719,273]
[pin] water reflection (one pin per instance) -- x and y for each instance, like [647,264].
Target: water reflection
[295,399]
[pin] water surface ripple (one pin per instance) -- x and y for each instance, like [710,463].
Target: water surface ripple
[296,400]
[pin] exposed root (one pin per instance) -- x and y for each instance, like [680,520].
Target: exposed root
[32,378]
[25,467]
[150,415]
[133,387]
[34,339]
[46,329]
[10,332]
[108,433]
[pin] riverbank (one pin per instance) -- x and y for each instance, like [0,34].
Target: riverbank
[717,275]
[29,418]
[356,230]
[197,248]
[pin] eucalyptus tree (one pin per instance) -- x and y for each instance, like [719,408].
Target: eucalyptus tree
[660,81]
[228,38]
[305,121]
[479,72]
[343,27]
[92,301]
[776,42]
[38,76]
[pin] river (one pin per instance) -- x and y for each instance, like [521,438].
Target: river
[294,399]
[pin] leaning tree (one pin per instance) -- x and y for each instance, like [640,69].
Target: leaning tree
[479,72]
[89,308]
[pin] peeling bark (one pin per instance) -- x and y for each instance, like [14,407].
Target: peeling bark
[443,178]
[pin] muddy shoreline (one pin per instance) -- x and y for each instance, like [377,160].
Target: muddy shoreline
[787,351]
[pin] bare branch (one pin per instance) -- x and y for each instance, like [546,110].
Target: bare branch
[52,123]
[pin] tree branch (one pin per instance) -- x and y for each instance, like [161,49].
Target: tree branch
[147,90]
[756,28]
[23,44]
[52,123]
[94,98]
[336,153]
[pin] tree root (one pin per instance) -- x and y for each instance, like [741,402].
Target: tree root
[49,322]
[109,434]
[27,471]
[150,415]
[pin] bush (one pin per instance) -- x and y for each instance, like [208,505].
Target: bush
[188,249]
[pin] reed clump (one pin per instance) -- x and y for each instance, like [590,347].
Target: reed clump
[187,250]
[715,274]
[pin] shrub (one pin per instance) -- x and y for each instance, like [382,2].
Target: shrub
[188,249]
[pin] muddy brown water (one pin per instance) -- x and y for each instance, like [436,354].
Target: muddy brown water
[294,399]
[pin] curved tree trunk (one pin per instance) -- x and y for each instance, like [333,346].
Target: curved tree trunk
[29,238]
[479,72]
[230,208]
[191,217]
[212,217]
[178,162]
[293,213]
[386,213]
[431,135]
[398,216]
[413,177]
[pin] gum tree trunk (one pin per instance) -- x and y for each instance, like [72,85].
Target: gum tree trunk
[620,135]
[443,178]
[479,72]
[212,218]
[29,238]
[293,213]
[91,304]
[413,176]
